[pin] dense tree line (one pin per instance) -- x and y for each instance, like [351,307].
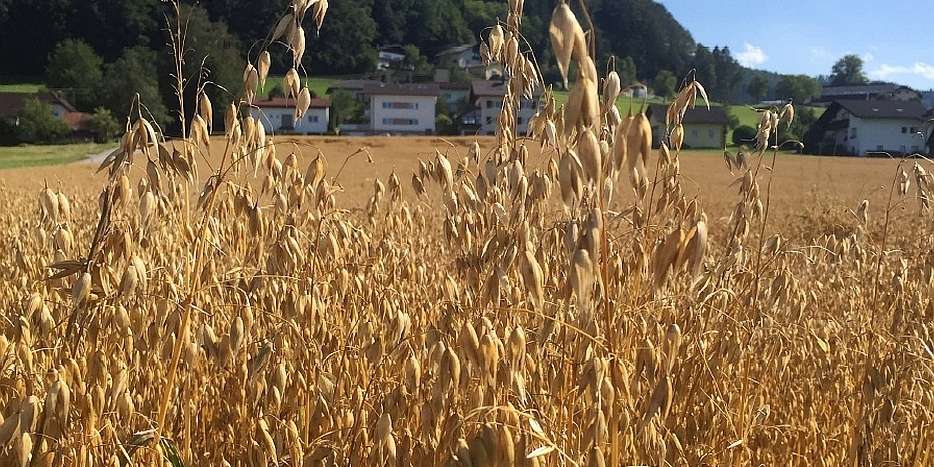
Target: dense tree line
[125,41]
[641,29]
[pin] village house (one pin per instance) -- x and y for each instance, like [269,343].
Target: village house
[12,104]
[455,95]
[487,97]
[390,57]
[402,108]
[467,57]
[278,116]
[872,91]
[861,127]
[703,128]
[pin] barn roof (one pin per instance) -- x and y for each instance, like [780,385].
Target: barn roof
[282,102]
[12,103]
[697,115]
[883,109]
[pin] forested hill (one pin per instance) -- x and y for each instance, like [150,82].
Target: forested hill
[641,29]
[129,38]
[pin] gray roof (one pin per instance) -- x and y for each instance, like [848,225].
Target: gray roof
[423,89]
[456,50]
[485,88]
[352,84]
[859,89]
[883,109]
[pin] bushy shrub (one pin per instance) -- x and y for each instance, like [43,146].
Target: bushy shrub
[743,135]
[38,125]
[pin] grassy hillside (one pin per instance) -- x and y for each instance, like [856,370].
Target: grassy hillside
[26,88]
[746,115]
[32,156]
[318,85]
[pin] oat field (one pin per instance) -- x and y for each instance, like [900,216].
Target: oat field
[568,298]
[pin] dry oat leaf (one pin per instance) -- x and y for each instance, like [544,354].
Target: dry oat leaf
[540,451]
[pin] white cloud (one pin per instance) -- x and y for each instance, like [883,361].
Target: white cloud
[751,56]
[868,57]
[919,69]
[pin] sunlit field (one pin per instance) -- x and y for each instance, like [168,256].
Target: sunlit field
[571,297]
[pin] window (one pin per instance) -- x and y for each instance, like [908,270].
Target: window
[710,134]
[399,105]
[853,132]
[312,119]
[694,133]
[489,104]
[528,104]
[879,147]
[904,129]
[400,121]
[519,120]
[902,148]
[913,130]
[489,120]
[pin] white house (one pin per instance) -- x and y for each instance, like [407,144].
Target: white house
[860,127]
[402,108]
[487,97]
[278,115]
[467,58]
[390,57]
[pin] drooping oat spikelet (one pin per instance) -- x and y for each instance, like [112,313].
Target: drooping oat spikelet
[263,64]
[567,38]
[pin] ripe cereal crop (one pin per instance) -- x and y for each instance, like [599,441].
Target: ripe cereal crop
[568,297]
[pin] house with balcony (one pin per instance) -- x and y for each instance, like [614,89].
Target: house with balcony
[402,108]
[278,116]
[467,58]
[868,127]
[487,97]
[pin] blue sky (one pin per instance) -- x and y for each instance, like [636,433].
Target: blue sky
[895,38]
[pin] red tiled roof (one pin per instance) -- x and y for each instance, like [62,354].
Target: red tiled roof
[493,88]
[12,103]
[284,103]
[76,120]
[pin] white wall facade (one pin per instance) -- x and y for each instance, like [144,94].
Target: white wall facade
[703,135]
[490,107]
[402,114]
[884,134]
[282,120]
